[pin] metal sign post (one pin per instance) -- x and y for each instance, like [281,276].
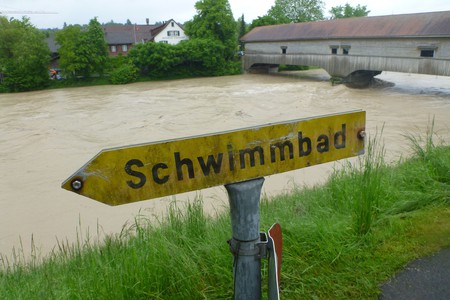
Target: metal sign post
[244,200]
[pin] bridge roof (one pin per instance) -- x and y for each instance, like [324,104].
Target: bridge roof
[393,26]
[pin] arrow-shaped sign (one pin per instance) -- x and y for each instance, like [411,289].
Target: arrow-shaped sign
[139,172]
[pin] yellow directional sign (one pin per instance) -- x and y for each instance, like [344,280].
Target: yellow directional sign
[139,172]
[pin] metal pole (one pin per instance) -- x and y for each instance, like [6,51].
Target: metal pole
[244,200]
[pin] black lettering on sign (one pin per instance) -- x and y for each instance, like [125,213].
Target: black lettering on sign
[179,164]
[281,146]
[156,178]
[340,135]
[139,175]
[251,153]
[323,143]
[304,141]
[211,162]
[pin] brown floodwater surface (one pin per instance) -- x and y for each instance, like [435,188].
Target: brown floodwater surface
[46,136]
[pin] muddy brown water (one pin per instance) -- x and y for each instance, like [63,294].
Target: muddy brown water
[45,136]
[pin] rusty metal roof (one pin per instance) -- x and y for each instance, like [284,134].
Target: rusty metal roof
[393,26]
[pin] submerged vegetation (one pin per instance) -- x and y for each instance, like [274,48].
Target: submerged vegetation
[340,240]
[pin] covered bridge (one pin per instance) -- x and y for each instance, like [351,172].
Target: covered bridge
[411,43]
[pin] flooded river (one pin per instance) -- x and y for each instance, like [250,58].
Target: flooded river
[45,136]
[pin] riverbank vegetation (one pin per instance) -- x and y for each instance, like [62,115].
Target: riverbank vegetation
[213,48]
[24,56]
[341,240]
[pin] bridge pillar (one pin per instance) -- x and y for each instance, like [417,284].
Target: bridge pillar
[356,79]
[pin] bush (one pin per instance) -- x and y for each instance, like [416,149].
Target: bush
[292,68]
[154,59]
[124,74]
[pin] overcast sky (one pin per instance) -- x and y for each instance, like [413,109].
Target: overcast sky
[81,11]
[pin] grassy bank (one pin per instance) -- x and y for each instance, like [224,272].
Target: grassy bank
[341,240]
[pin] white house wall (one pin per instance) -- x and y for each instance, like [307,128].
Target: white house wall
[165,35]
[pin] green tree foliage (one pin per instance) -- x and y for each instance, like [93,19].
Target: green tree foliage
[69,39]
[24,56]
[194,57]
[242,30]
[96,47]
[83,51]
[287,11]
[214,20]
[347,11]
[263,21]
[153,59]
[203,57]
[125,73]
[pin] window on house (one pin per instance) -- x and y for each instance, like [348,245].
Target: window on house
[173,33]
[113,49]
[124,48]
[164,42]
[427,50]
[283,49]
[334,49]
[345,49]
[173,24]
[426,53]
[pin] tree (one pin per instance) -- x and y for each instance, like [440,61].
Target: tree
[69,38]
[347,11]
[83,51]
[242,30]
[286,11]
[214,20]
[24,56]
[96,47]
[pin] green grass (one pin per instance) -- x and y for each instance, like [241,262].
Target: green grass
[340,240]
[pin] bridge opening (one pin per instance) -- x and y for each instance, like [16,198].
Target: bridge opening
[295,68]
[263,68]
